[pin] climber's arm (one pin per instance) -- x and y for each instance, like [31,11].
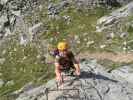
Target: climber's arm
[76,64]
[57,70]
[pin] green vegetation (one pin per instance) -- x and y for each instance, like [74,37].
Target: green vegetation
[22,64]
[78,24]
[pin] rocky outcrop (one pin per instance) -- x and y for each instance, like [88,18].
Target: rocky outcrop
[97,3]
[10,10]
[93,84]
[13,10]
[123,2]
[81,5]
[114,22]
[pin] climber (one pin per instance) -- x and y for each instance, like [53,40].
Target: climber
[64,61]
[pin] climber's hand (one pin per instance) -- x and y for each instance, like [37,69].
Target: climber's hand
[59,79]
[77,72]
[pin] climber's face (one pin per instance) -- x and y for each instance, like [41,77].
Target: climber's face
[63,52]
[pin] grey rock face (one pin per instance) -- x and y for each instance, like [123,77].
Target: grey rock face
[126,72]
[52,10]
[55,8]
[114,21]
[26,87]
[32,94]
[124,34]
[93,84]
[98,3]
[10,10]
[35,29]
[123,2]
[3,22]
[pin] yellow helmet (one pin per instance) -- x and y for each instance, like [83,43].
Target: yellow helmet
[62,46]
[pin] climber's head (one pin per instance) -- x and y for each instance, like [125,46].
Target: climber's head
[62,46]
